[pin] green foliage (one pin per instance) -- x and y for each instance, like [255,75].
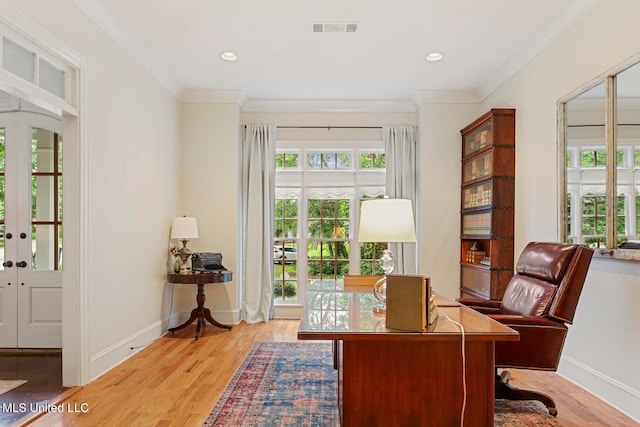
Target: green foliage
[286,214]
[328,218]
[593,158]
[327,269]
[287,161]
[285,290]
[372,161]
[598,158]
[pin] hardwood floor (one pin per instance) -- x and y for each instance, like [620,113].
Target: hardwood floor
[42,369]
[176,381]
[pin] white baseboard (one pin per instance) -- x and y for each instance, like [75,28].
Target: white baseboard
[285,311]
[617,394]
[109,358]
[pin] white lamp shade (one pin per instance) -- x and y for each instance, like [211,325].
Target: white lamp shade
[184,228]
[386,220]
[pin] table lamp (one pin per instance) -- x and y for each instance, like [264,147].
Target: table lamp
[184,228]
[389,221]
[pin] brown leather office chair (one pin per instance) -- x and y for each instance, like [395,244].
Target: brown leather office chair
[539,301]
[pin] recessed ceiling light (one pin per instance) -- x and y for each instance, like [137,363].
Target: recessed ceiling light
[434,56]
[228,56]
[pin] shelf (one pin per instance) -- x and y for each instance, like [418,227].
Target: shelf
[487,194]
[477,196]
[477,140]
[474,265]
[477,168]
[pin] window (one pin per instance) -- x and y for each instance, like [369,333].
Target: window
[285,249]
[46,200]
[21,61]
[372,161]
[329,160]
[287,161]
[328,223]
[316,214]
[594,217]
[593,158]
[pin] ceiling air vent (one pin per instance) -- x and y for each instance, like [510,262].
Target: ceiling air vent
[335,27]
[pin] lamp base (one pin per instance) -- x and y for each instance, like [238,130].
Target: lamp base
[380,294]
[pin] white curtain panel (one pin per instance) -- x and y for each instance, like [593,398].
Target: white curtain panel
[258,190]
[400,150]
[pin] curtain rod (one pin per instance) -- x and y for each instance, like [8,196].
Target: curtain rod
[326,127]
[599,125]
[329,127]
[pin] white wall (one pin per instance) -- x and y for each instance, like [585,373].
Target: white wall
[603,344]
[440,152]
[210,191]
[131,125]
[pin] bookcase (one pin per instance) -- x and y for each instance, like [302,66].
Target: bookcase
[487,205]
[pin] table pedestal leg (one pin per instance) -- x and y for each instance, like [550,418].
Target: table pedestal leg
[200,313]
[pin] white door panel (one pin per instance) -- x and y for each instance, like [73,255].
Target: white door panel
[39,316]
[32,232]
[8,314]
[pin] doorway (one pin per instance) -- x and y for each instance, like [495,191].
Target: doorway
[30,227]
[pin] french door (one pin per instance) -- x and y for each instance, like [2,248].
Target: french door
[30,231]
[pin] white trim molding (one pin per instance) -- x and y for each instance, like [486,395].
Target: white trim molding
[75,318]
[612,391]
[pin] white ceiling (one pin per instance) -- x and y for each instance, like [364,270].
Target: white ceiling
[483,41]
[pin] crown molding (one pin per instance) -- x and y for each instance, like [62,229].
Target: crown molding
[211,96]
[238,97]
[330,106]
[470,96]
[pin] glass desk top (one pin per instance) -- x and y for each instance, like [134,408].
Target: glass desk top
[333,312]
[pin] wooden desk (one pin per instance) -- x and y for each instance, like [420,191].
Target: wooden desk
[200,313]
[392,378]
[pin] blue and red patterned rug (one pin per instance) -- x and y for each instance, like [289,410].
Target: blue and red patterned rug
[294,384]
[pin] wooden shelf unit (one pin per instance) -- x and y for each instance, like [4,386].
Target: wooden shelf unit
[487,205]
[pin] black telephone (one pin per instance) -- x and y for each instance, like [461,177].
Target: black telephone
[207,261]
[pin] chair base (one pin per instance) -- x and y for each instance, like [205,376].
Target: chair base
[504,390]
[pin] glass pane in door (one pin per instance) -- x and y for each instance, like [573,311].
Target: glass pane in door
[43,256]
[46,206]
[42,200]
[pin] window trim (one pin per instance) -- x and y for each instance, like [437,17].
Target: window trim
[355,189]
[611,129]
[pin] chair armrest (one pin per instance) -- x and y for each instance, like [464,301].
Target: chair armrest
[514,320]
[482,306]
[471,302]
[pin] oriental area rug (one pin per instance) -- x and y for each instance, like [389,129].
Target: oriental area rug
[294,384]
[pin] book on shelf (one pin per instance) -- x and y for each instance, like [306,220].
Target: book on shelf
[410,303]
[475,257]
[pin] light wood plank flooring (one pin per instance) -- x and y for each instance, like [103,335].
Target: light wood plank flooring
[176,381]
